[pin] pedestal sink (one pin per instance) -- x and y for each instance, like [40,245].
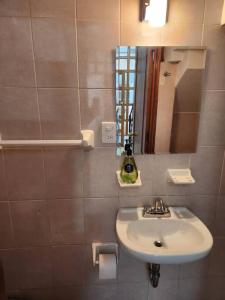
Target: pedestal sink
[181,238]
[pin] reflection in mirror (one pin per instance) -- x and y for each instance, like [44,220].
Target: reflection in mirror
[158,97]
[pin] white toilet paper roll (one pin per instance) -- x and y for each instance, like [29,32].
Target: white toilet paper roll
[107,266]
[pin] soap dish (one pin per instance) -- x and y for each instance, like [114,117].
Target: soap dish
[129,185]
[180,176]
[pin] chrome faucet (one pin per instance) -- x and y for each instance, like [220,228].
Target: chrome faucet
[159,208]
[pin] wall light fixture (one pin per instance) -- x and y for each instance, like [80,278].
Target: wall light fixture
[154,12]
[223,14]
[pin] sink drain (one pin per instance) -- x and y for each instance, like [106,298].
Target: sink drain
[158,244]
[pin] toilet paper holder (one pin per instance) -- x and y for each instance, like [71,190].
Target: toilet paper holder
[104,248]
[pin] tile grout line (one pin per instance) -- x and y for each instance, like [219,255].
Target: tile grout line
[35,75]
[218,194]
[78,81]
[120,20]
[203,23]
[77,56]
[62,87]
[221,174]
[42,151]
[90,88]
[7,195]
[8,198]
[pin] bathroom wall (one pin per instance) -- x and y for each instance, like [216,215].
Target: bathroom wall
[187,112]
[55,78]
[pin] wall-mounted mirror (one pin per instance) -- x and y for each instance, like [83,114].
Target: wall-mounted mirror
[158,98]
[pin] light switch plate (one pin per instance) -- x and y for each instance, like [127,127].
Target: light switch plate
[108,132]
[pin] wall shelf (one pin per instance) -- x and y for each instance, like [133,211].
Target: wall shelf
[87,142]
[180,176]
[138,183]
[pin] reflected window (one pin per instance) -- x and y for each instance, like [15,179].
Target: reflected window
[125,94]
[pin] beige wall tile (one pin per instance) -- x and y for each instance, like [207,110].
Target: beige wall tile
[55,55]
[66,221]
[212,121]
[100,173]
[215,288]
[14,8]
[135,201]
[132,291]
[100,292]
[98,10]
[131,269]
[16,73]
[219,223]
[6,232]
[130,11]
[140,34]
[213,11]
[204,207]
[206,167]
[222,187]
[34,266]
[145,190]
[64,173]
[16,43]
[34,294]
[16,58]
[167,289]
[214,40]
[28,268]
[97,106]
[182,34]
[192,288]
[71,292]
[3,185]
[183,11]
[19,114]
[96,42]
[217,259]
[195,269]
[59,113]
[30,223]
[25,176]
[68,265]
[169,272]
[100,211]
[52,8]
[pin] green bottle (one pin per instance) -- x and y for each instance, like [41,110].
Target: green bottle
[129,172]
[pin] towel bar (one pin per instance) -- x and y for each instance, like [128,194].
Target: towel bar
[87,142]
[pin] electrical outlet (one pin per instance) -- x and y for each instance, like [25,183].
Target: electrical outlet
[108,132]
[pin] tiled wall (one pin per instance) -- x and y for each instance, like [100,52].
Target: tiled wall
[55,78]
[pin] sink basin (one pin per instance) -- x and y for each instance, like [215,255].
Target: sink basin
[181,238]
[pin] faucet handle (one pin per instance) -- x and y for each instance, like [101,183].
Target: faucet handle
[160,206]
[164,206]
[157,205]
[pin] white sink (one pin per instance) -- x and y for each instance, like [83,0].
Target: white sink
[183,237]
